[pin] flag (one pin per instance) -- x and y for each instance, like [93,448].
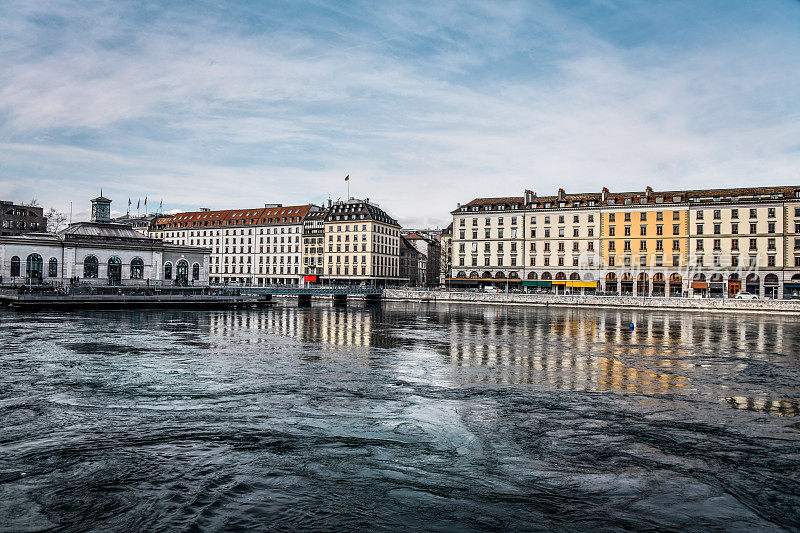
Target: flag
[161,206]
[145,200]
[347,178]
[137,203]
[129,201]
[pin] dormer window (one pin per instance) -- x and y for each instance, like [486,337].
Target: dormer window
[642,200]
[628,201]
[676,199]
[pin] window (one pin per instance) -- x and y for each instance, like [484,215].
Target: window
[643,216]
[676,229]
[734,244]
[627,231]
[700,227]
[659,215]
[753,245]
[90,267]
[561,219]
[734,260]
[676,245]
[771,260]
[500,233]
[752,213]
[753,227]
[643,260]
[771,212]
[611,217]
[771,227]
[660,229]
[195,272]
[137,268]
[717,244]
[717,214]
[611,260]
[699,215]
[488,233]
[659,245]
[15,267]
[627,246]
[643,230]
[627,217]
[676,260]
[676,215]
[699,245]
[560,232]
[611,231]
[591,232]
[612,246]
[52,267]
[770,244]
[575,219]
[735,228]
[168,270]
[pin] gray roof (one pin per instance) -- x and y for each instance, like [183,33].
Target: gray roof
[107,230]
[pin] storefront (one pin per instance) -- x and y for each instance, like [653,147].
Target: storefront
[700,288]
[569,285]
[537,285]
[791,290]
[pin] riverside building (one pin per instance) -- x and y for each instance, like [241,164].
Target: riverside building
[100,253]
[259,246]
[715,242]
[362,244]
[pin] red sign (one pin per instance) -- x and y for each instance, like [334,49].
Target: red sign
[310,278]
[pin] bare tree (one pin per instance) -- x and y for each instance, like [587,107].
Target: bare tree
[33,202]
[55,219]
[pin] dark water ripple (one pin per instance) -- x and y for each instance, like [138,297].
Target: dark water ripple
[401,417]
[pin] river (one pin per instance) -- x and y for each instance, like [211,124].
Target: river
[402,416]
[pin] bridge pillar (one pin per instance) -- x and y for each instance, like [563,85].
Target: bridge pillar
[372,298]
[304,300]
[339,299]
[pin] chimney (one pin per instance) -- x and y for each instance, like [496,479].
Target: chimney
[329,203]
[204,209]
[529,196]
[648,191]
[604,194]
[561,194]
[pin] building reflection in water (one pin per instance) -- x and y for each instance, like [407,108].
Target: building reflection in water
[781,407]
[566,349]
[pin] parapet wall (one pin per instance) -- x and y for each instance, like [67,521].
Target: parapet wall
[686,304]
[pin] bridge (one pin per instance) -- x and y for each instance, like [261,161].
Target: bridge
[304,294]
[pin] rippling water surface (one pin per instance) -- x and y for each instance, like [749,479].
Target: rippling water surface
[405,416]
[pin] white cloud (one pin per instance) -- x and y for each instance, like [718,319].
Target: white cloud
[424,105]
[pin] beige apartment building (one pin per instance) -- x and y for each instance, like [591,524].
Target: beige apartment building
[650,243]
[362,244]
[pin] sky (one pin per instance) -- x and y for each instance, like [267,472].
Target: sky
[424,104]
